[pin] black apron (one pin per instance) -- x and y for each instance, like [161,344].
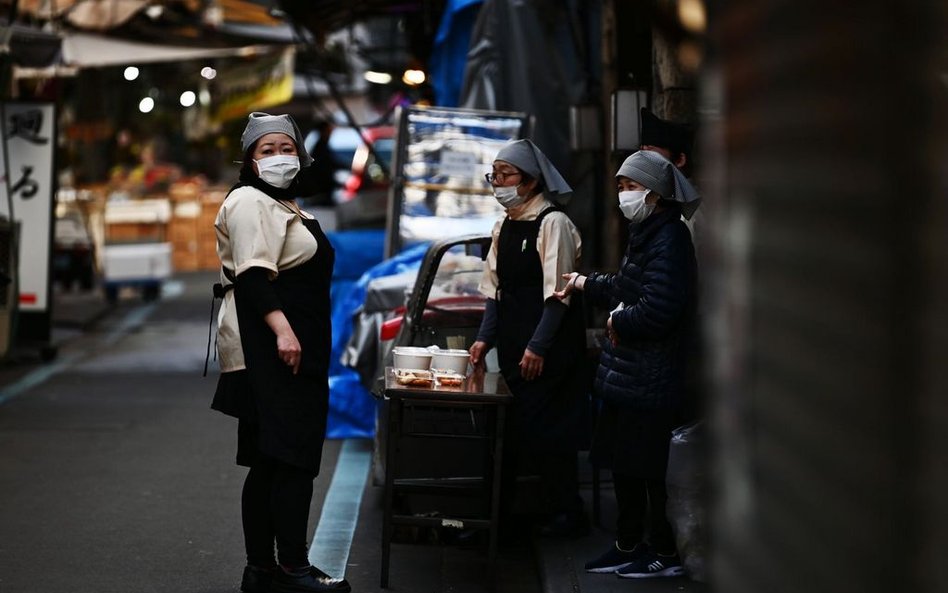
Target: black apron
[290,410]
[548,412]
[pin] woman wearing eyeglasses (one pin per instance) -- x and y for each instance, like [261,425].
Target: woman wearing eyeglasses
[540,340]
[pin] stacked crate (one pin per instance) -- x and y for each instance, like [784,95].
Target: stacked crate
[192,233]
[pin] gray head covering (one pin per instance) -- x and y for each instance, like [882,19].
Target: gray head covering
[525,155]
[660,175]
[260,124]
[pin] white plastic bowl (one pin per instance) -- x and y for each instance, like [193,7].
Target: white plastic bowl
[450,360]
[411,357]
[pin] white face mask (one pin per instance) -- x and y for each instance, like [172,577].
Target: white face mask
[280,170]
[633,206]
[508,196]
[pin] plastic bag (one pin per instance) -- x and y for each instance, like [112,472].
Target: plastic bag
[686,480]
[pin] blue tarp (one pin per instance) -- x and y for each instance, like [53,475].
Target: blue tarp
[352,409]
[449,54]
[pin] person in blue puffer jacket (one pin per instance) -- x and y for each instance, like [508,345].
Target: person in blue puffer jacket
[642,367]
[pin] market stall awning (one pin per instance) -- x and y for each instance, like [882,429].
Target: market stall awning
[85,50]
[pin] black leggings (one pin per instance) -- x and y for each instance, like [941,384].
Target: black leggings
[275,507]
[641,505]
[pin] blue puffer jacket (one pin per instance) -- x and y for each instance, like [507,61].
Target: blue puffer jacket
[657,284]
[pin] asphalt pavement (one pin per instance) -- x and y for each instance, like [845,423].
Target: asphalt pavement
[116,476]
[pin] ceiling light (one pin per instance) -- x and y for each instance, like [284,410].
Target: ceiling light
[208,72]
[413,77]
[378,77]
[188,98]
[693,16]
[146,105]
[131,73]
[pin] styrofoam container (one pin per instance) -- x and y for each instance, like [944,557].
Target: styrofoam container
[450,360]
[411,357]
[137,261]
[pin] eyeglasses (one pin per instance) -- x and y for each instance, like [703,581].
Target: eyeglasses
[499,176]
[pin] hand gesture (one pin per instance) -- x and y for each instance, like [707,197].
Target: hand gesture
[611,333]
[531,365]
[478,352]
[289,350]
[573,282]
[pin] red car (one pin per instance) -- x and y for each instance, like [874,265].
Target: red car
[362,201]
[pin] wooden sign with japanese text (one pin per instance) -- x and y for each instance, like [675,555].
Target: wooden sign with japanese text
[27,148]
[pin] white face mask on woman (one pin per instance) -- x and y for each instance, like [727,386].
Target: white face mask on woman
[633,206]
[279,170]
[508,196]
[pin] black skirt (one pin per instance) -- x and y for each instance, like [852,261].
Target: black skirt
[234,396]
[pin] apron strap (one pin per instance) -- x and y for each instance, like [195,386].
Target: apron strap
[218,292]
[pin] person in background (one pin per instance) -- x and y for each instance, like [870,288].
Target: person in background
[642,367]
[540,340]
[273,342]
[674,141]
[670,139]
[319,181]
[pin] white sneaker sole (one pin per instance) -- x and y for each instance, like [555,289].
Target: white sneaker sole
[608,569]
[673,571]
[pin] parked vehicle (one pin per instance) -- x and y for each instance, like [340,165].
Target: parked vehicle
[362,200]
[361,196]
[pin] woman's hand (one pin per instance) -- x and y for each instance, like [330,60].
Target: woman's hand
[478,352]
[611,333]
[288,346]
[289,350]
[574,281]
[531,365]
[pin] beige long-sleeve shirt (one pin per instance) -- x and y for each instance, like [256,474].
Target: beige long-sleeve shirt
[558,244]
[255,230]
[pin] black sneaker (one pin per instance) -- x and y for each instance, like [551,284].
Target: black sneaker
[614,558]
[308,581]
[652,565]
[256,579]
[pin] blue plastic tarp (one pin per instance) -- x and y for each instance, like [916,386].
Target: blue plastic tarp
[352,409]
[449,53]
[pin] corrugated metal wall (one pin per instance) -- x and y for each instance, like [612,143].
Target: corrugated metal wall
[826,184]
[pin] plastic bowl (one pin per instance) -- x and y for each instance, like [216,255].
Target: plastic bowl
[450,360]
[411,357]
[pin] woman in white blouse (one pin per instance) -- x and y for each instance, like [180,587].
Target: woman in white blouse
[274,339]
[540,340]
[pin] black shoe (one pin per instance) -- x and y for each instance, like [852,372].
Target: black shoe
[615,559]
[652,565]
[565,525]
[256,579]
[307,581]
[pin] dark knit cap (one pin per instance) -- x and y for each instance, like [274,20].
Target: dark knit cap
[665,134]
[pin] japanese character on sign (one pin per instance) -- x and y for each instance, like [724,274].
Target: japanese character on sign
[26,187]
[27,125]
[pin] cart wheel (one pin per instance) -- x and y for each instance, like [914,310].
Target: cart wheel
[111,294]
[48,353]
[151,292]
